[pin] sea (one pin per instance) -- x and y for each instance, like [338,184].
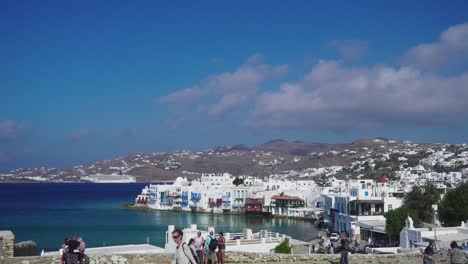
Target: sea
[46,213]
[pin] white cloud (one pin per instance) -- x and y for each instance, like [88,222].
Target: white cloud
[332,96]
[256,58]
[335,96]
[350,49]
[10,129]
[183,95]
[229,89]
[451,48]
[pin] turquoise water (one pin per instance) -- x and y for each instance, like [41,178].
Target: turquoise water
[47,213]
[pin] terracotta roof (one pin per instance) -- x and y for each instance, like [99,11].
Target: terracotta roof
[382,180]
[286,197]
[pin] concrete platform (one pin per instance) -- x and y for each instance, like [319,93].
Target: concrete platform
[124,249]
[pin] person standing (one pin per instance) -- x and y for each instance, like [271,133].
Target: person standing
[344,248]
[183,254]
[209,252]
[429,253]
[72,255]
[63,251]
[81,250]
[456,255]
[199,244]
[221,248]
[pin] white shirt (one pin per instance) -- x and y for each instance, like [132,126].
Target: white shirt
[199,243]
[183,255]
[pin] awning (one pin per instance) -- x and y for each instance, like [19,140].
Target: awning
[373,225]
[375,201]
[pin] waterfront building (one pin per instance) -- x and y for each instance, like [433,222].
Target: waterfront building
[254,205]
[280,204]
[358,208]
[217,193]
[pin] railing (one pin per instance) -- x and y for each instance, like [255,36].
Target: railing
[238,238]
[365,213]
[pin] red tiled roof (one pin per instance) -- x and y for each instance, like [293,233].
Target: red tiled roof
[382,180]
[286,197]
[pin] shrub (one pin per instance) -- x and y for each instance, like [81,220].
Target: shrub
[283,247]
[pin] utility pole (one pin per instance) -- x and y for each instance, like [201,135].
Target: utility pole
[434,208]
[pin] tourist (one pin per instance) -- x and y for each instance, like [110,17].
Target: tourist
[63,251]
[429,254]
[199,243]
[327,246]
[183,253]
[72,255]
[81,250]
[193,251]
[344,248]
[210,248]
[456,255]
[221,248]
[191,244]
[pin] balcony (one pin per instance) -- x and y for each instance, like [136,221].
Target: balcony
[365,213]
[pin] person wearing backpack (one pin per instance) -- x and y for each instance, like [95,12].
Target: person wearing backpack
[210,248]
[183,253]
[344,248]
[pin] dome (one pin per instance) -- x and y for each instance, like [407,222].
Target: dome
[382,180]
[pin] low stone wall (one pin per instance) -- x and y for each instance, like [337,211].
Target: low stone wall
[109,259]
[238,258]
[7,245]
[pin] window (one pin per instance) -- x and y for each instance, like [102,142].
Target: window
[390,207]
[366,193]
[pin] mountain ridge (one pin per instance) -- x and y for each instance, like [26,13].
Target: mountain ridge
[278,157]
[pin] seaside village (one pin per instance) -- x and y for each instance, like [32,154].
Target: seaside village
[355,206]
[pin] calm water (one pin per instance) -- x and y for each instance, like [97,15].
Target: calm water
[47,213]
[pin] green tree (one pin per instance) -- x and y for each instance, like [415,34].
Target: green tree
[238,181]
[421,201]
[321,181]
[283,247]
[454,207]
[395,221]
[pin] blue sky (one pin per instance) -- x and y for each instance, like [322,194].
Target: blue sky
[82,81]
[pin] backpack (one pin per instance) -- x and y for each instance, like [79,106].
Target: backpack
[345,245]
[213,244]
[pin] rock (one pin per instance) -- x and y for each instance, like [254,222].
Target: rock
[25,248]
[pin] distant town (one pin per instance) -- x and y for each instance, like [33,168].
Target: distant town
[409,162]
[383,193]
